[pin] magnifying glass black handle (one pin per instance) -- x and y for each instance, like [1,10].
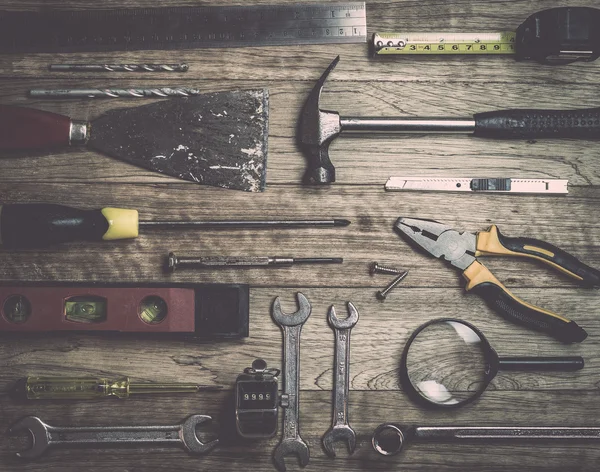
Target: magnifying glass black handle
[562,364]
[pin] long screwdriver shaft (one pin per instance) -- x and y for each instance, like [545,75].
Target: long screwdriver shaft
[242,223]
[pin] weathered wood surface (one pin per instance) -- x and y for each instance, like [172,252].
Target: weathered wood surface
[359,86]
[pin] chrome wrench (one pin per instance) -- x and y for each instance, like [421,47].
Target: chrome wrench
[291,442]
[340,429]
[388,439]
[43,435]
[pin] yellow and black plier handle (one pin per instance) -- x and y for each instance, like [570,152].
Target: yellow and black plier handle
[481,281]
[492,242]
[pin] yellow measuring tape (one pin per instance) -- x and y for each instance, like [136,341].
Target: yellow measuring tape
[444,43]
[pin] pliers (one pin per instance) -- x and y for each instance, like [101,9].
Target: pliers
[461,249]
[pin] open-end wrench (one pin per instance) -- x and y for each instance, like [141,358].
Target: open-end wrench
[340,429]
[43,435]
[388,439]
[291,442]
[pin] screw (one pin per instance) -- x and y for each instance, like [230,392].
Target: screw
[375,268]
[382,294]
[172,262]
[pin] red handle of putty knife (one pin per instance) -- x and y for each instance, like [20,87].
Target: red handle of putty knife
[28,128]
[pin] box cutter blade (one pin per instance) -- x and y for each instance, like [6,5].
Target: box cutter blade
[461,251]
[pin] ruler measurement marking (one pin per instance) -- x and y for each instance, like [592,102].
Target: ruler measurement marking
[182,27]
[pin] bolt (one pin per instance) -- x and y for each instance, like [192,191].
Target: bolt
[375,268]
[382,294]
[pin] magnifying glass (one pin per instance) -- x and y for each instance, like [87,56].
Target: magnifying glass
[449,363]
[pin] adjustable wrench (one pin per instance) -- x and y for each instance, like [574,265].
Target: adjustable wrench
[340,429]
[43,435]
[291,442]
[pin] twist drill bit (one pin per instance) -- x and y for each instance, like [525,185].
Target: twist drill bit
[115,93]
[119,67]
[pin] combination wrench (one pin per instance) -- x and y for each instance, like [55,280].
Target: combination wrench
[291,325]
[388,439]
[43,435]
[340,429]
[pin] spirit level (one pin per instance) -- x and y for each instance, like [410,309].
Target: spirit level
[185,310]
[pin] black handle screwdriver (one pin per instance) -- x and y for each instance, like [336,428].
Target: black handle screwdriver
[30,225]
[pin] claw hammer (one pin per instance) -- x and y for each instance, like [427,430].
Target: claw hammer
[318,128]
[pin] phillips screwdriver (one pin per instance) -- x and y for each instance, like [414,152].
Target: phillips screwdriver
[87,388]
[29,225]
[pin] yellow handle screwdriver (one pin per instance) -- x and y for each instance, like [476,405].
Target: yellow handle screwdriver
[88,388]
[32,225]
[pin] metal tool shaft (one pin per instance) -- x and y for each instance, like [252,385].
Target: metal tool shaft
[44,435]
[407,125]
[119,67]
[242,224]
[175,262]
[482,432]
[291,325]
[389,439]
[115,93]
[340,428]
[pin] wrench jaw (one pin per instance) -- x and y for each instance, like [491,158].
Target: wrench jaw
[294,319]
[189,436]
[39,436]
[291,446]
[339,433]
[348,323]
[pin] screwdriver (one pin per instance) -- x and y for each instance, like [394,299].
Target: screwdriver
[88,388]
[30,225]
[177,262]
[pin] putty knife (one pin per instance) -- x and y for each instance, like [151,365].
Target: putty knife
[217,139]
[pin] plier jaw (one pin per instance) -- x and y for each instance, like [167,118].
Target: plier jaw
[440,240]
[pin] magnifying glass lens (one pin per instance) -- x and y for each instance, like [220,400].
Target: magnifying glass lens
[446,363]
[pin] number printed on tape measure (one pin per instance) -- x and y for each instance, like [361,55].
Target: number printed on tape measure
[444,43]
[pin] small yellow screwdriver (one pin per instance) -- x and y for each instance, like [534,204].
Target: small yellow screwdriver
[86,388]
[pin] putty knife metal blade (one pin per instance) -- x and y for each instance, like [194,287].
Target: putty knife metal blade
[217,139]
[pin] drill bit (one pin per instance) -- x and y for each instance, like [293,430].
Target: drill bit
[115,93]
[119,67]
[174,262]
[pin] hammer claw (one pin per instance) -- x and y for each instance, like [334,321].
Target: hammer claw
[316,130]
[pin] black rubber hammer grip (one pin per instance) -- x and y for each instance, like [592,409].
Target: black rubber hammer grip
[532,124]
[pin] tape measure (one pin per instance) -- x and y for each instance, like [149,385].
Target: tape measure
[444,43]
[182,27]
[554,36]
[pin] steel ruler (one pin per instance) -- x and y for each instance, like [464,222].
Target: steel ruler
[494,185]
[182,27]
[444,43]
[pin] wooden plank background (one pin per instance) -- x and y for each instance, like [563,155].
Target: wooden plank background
[359,86]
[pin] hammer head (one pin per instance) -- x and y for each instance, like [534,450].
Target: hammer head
[317,129]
